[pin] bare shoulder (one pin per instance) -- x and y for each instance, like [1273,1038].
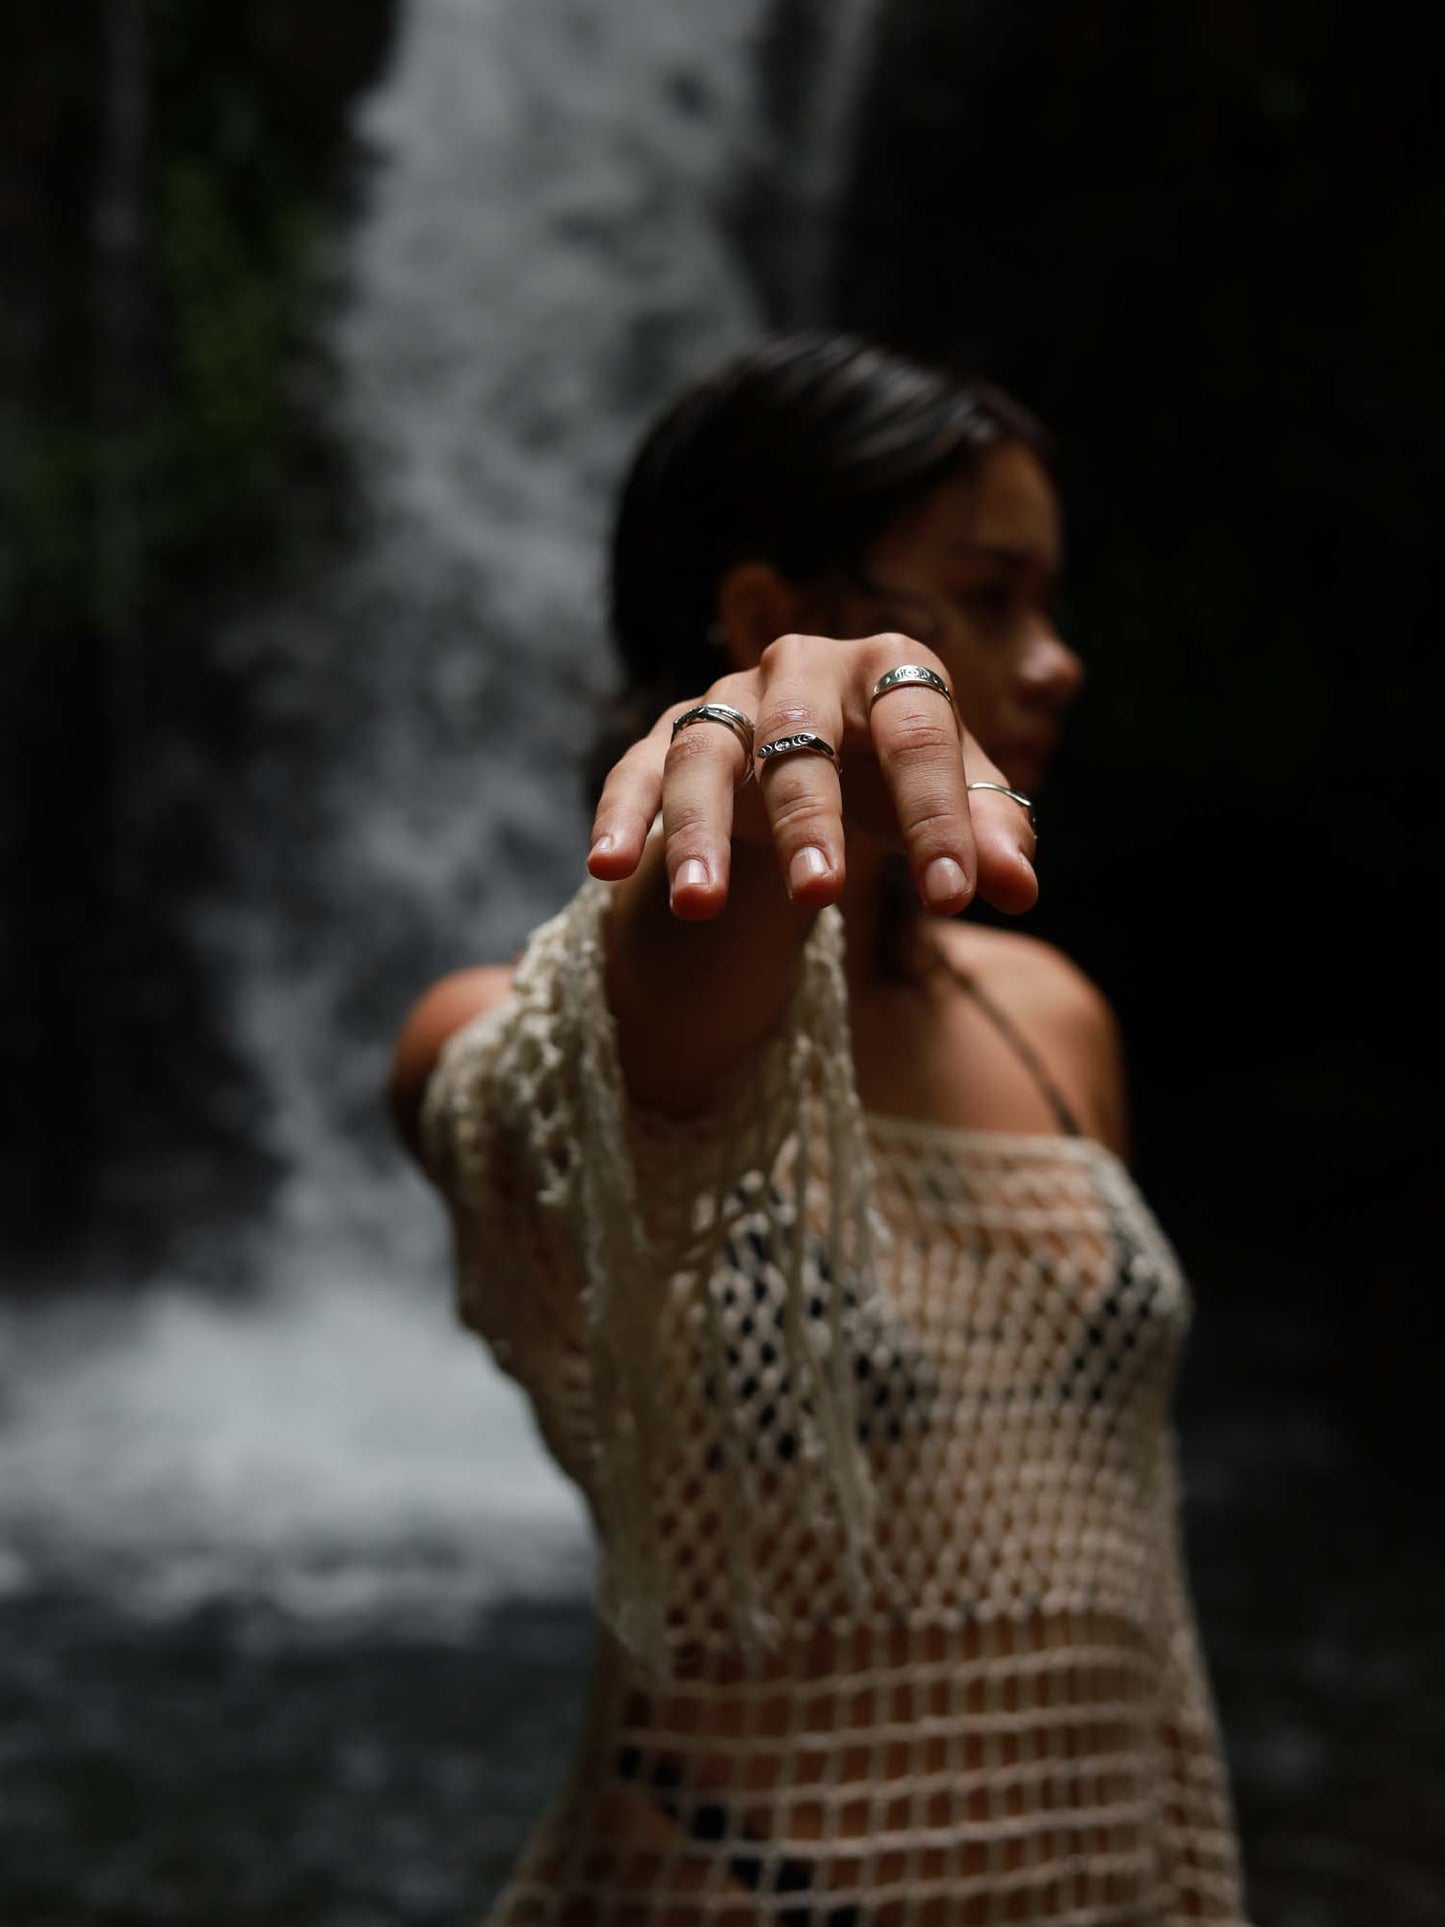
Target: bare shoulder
[436,1014]
[1030,976]
[1060,1009]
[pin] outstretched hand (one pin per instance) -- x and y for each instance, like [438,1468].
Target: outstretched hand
[906,760]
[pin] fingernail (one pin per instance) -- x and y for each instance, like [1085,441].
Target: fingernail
[944,880]
[807,863]
[604,845]
[690,874]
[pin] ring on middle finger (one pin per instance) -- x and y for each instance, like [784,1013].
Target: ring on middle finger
[799,742]
[916,673]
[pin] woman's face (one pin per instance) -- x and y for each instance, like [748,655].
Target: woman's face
[971,572]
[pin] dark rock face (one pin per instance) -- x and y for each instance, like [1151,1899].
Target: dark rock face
[164,173]
[1206,247]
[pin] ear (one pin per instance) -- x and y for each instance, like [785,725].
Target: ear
[755,605]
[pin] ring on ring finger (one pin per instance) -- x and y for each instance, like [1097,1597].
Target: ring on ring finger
[799,742]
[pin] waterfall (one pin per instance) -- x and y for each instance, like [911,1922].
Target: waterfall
[543,257]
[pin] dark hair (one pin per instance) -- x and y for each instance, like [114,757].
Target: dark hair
[799,453]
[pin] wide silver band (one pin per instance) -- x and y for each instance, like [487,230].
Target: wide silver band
[801,742]
[733,719]
[911,673]
[1016,796]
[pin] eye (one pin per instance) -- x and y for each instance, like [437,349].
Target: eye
[987,601]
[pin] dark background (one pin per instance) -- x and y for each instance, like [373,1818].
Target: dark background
[1207,244]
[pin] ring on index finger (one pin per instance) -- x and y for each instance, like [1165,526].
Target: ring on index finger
[913,673]
[733,719]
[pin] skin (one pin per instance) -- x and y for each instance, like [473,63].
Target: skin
[703,959]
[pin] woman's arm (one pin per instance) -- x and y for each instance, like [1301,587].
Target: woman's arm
[710,918]
[440,1011]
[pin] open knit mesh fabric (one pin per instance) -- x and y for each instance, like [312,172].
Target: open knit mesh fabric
[873,1421]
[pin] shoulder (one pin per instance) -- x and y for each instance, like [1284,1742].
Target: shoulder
[436,1014]
[1060,1009]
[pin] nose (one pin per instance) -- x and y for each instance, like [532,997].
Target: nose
[1051,672]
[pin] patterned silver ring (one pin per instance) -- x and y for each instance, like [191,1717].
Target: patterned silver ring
[733,719]
[1016,796]
[801,742]
[915,673]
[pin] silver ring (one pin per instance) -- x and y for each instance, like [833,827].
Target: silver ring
[1016,796]
[801,742]
[734,719]
[912,672]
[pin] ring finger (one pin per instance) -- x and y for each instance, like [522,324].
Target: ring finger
[801,787]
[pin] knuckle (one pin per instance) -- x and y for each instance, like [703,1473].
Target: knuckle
[800,817]
[931,819]
[736,688]
[782,649]
[791,655]
[915,734]
[684,823]
[889,648]
[783,718]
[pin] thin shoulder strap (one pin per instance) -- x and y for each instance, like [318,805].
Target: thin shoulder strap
[1063,1111]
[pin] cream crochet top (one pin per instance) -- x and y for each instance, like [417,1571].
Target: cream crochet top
[873,1421]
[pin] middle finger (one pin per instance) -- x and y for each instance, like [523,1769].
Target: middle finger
[801,788]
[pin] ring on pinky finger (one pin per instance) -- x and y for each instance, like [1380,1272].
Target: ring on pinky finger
[1014,796]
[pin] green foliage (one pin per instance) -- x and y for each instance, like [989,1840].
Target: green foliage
[215,462]
[170,429]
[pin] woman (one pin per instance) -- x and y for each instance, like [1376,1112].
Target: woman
[797,1203]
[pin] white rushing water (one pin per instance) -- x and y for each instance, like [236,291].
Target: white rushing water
[542,260]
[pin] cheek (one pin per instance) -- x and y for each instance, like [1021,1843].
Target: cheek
[980,689]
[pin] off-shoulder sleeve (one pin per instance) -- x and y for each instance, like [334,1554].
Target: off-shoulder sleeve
[1202,1878]
[570,1196]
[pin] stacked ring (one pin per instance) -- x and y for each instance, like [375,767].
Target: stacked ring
[733,719]
[915,673]
[802,742]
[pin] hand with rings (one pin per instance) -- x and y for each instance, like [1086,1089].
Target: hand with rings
[823,738]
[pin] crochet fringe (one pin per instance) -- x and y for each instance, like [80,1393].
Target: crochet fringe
[625,1293]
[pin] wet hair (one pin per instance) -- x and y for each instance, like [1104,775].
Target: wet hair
[799,453]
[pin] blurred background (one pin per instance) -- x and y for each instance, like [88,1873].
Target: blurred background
[325,337]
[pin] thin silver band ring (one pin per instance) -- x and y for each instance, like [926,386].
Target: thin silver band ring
[1016,796]
[801,742]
